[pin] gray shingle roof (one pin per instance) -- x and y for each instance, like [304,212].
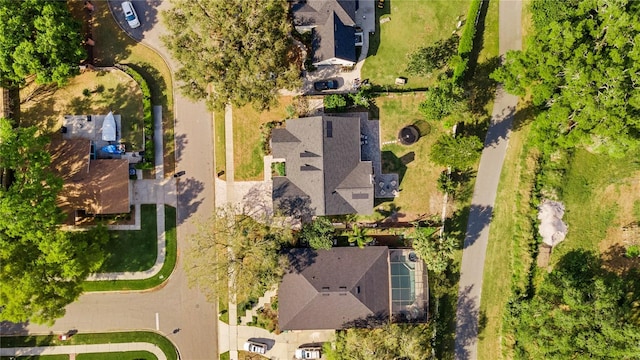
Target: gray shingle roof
[334,22]
[324,165]
[331,289]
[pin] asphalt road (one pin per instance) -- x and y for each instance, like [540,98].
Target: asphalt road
[484,194]
[182,314]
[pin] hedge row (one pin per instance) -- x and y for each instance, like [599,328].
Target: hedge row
[465,46]
[149,153]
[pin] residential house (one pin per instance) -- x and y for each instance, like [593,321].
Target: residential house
[334,289]
[90,186]
[325,170]
[334,29]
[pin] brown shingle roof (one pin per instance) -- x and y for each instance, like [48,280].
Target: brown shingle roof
[98,186]
[331,289]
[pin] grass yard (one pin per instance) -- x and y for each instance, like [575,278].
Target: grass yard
[94,338]
[413,24]
[599,193]
[114,46]
[88,93]
[160,277]
[128,355]
[36,357]
[219,145]
[419,194]
[507,258]
[133,250]
[247,145]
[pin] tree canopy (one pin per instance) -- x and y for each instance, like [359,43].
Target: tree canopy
[582,67]
[38,37]
[435,251]
[578,311]
[233,51]
[319,233]
[41,267]
[443,100]
[459,152]
[392,341]
[234,252]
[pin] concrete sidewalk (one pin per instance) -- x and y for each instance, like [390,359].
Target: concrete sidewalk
[84,349]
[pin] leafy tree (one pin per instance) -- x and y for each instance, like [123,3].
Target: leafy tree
[458,152]
[442,100]
[579,311]
[582,68]
[232,51]
[41,267]
[435,251]
[392,341]
[38,37]
[336,102]
[233,251]
[427,59]
[319,233]
[358,236]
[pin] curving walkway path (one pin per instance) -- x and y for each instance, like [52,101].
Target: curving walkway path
[484,194]
[84,349]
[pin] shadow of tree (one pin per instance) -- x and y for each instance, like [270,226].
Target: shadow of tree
[392,164]
[189,200]
[470,322]
[300,259]
[13,329]
[479,220]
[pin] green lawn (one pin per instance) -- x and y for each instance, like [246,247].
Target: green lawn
[595,192]
[247,148]
[128,355]
[36,357]
[133,250]
[418,191]
[94,338]
[413,24]
[160,277]
[114,46]
[219,144]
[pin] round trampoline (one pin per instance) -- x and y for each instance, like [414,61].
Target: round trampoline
[409,135]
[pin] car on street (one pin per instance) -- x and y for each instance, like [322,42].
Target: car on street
[130,14]
[308,353]
[255,347]
[325,85]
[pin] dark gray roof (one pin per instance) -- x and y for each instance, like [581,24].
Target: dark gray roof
[317,12]
[334,22]
[332,289]
[334,40]
[324,165]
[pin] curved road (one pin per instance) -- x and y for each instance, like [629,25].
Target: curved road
[182,314]
[484,194]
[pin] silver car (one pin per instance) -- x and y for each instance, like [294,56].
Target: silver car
[255,347]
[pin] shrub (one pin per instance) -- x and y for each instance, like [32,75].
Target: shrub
[99,88]
[465,46]
[458,152]
[442,100]
[335,102]
[86,92]
[633,251]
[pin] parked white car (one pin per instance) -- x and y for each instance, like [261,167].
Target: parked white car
[308,353]
[255,347]
[130,14]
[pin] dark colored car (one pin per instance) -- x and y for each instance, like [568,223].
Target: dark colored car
[325,85]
